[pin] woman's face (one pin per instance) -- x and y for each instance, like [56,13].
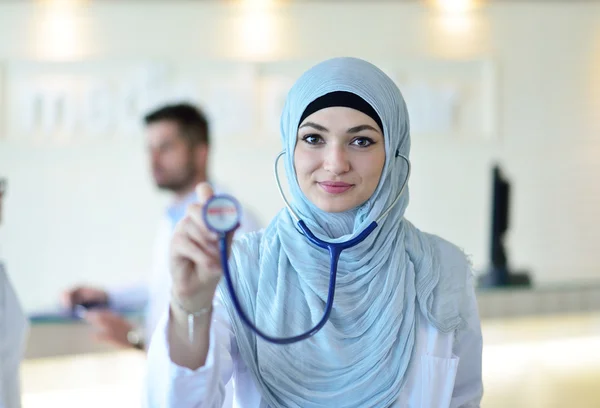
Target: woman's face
[339,158]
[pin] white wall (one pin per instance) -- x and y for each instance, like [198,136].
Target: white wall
[86,209]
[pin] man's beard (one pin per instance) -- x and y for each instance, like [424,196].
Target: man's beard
[177,184]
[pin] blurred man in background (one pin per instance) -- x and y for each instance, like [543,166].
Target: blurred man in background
[178,142]
[13,334]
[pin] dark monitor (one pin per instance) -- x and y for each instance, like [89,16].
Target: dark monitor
[500,217]
[499,273]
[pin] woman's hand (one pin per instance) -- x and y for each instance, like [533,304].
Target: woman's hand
[195,256]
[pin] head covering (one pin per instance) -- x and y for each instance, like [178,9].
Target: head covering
[360,357]
[344,99]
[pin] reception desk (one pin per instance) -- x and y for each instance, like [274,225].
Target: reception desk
[542,361]
[533,358]
[540,300]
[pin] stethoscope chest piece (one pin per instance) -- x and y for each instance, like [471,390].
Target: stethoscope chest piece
[222,214]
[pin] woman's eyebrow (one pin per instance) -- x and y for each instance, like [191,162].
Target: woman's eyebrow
[316,126]
[360,128]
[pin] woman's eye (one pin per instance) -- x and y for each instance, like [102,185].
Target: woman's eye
[313,139]
[362,142]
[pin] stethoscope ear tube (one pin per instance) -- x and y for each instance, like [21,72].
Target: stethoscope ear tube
[335,249]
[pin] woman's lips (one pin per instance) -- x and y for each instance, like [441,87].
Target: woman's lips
[335,187]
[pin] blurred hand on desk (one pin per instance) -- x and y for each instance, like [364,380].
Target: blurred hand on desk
[110,327]
[83,295]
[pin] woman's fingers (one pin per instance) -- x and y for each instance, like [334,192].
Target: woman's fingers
[204,241]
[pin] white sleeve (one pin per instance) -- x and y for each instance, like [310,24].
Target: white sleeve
[468,386]
[3,330]
[13,336]
[170,385]
[129,298]
[135,295]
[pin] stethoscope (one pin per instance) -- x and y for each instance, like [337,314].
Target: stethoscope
[222,214]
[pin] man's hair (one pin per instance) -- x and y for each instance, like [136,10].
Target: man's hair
[191,121]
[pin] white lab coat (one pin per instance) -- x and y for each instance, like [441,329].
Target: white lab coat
[13,336]
[445,371]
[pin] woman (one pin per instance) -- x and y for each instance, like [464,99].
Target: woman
[404,330]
